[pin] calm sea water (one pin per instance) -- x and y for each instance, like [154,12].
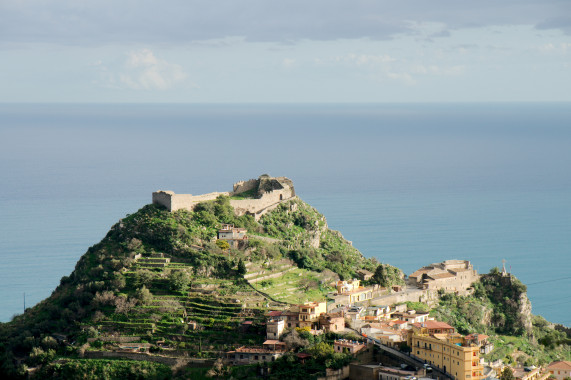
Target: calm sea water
[408,184]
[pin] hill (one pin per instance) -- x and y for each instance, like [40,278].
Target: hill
[159,281]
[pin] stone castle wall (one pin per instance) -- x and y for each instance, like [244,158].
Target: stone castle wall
[258,207]
[253,206]
[174,202]
[242,186]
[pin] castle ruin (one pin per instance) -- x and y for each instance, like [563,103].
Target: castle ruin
[254,197]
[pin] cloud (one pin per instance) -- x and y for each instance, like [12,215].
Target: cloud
[147,72]
[142,70]
[364,59]
[188,21]
[288,63]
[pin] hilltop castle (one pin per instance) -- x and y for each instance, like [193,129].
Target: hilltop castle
[254,197]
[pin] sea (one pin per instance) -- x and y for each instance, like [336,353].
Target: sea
[408,184]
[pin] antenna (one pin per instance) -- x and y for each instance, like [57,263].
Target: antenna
[24,302]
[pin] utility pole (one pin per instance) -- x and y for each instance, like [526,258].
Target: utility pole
[24,302]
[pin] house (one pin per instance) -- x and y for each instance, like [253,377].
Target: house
[270,351]
[560,369]
[411,316]
[378,313]
[275,328]
[349,292]
[234,236]
[364,274]
[332,322]
[309,314]
[481,341]
[348,346]
[530,373]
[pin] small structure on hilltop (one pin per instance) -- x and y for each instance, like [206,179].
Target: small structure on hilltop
[233,235]
[452,276]
[254,197]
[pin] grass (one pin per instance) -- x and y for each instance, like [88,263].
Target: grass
[290,287]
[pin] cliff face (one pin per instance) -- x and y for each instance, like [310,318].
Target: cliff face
[511,309]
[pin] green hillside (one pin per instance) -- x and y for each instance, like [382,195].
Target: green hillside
[159,281]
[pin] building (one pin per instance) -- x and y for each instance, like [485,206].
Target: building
[527,373]
[348,346]
[560,369]
[253,197]
[433,327]
[452,276]
[364,274]
[481,341]
[411,316]
[234,236]
[332,322]
[275,328]
[350,292]
[450,352]
[309,314]
[270,351]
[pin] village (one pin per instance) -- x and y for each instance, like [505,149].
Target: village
[381,318]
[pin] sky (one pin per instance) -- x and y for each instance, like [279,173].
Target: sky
[295,51]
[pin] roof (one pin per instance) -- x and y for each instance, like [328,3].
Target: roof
[560,364]
[364,271]
[420,272]
[254,350]
[275,313]
[438,276]
[303,355]
[400,322]
[433,325]
[477,337]
[274,342]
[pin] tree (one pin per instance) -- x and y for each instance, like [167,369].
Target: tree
[242,270]
[179,280]
[386,275]
[219,370]
[144,296]
[223,244]
[507,374]
[321,350]
[143,277]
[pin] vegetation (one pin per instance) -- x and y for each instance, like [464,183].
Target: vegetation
[387,275]
[161,279]
[499,308]
[310,244]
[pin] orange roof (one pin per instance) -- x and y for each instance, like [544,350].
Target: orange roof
[560,364]
[433,325]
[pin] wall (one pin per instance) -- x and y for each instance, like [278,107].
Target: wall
[150,358]
[174,202]
[241,186]
[258,207]
[339,374]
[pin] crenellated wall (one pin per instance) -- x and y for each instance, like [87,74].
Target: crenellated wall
[281,190]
